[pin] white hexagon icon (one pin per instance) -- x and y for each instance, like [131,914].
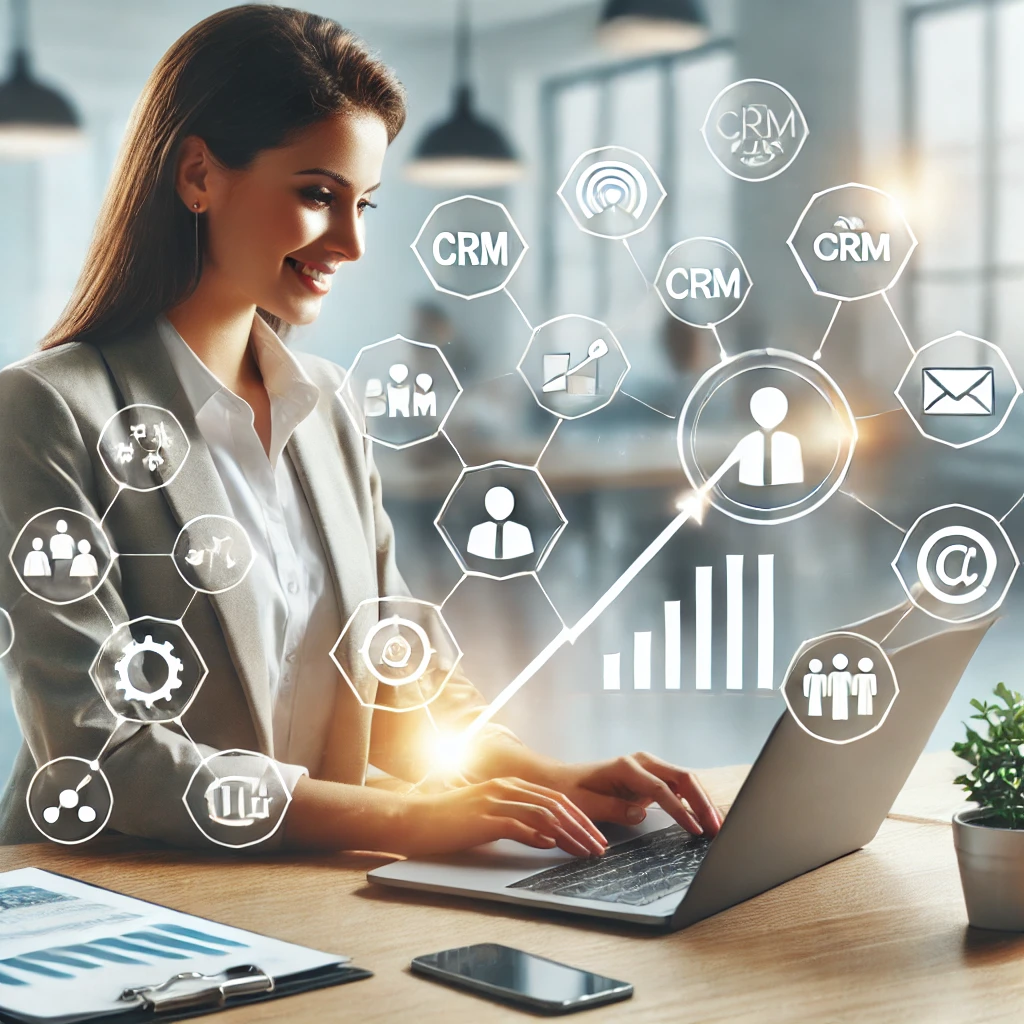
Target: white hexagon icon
[840,687]
[148,670]
[956,563]
[573,365]
[851,241]
[469,247]
[500,520]
[396,653]
[399,392]
[143,447]
[958,389]
[611,192]
[237,798]
[61,556]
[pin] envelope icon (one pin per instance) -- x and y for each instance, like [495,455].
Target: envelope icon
[958,391]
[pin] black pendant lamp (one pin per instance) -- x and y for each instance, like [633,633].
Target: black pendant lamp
[638,27]
[463,151]
[35,120]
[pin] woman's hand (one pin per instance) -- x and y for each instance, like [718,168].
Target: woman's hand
[505,808]
[620,789]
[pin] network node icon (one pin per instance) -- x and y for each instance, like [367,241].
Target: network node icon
[702,281]
[573,365]
[469,247]
[396,653]
[958,390]
[143,447]
[400,392]
[611,192]
[782,460]
[148,670]
[61,556]
[212,553]
[69,800]
[851,242]
[754,129]
[237,798]
[500,520]
[956,563]
[840,687]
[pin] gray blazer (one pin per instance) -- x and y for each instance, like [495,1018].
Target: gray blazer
[53,406]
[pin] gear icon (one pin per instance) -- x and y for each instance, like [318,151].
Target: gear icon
[149,697]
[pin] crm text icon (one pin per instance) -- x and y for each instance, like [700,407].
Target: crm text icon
[400,392]
[143,447]
[611,192]
[469,247]
[958,389]
[702,281]
[69,800]
[787,457]
[956,563]
[396,653]
[840,687]
[754,129]
[851,242]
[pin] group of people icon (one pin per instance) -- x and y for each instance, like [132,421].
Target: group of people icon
[399,397]
[63,550]
[840,684]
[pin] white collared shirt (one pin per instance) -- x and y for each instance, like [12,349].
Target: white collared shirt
[298,611]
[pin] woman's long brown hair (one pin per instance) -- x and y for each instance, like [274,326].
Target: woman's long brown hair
[245,79]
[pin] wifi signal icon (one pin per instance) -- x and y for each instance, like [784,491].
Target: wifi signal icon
[611,184]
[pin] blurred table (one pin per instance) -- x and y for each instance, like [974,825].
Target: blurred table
[878,936]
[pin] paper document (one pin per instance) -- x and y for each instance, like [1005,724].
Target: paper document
[68,950]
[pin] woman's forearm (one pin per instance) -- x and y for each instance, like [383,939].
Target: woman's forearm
[500,757]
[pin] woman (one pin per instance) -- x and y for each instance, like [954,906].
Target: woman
[243,182]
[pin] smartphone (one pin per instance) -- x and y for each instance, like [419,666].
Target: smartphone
[521,979]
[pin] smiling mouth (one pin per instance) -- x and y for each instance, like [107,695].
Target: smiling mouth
[314,279]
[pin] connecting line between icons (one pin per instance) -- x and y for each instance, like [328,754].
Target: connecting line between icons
[721,348]
[1011,508]
[105,612]
[455,447]
[850,494]
[195,746]
[120,487]
[551,437]
[625,242]
[462,579]
[181,618]
[526,319]
[118,722]
[896,626]
[828,330]
[885,298]
[875,415]
[667,415]
[550,602]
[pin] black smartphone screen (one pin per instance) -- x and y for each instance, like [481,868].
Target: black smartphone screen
[509,973]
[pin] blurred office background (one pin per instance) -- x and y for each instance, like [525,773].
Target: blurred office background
[925,100]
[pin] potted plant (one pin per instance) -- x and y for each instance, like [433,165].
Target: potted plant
[989,840]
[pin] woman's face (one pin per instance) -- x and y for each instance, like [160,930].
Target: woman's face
[300,205]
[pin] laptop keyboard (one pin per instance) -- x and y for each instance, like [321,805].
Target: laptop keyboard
[636,872]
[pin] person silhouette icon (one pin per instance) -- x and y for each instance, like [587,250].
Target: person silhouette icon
[36,562]
[399,392]
[500,539]
[779,459]
[814,686]
[84,565]
[838,688]
[62,544]
[865,687]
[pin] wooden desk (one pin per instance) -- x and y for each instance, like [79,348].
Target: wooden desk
[878,936]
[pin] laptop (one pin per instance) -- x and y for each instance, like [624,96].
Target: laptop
[804,803]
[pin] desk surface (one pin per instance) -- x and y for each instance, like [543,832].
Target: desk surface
[878,936]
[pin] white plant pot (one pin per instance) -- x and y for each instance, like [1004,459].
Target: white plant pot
[991,871]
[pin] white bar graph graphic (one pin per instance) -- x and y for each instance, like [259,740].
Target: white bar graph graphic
[703,594]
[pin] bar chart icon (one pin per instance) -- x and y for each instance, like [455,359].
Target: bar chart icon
[704,619]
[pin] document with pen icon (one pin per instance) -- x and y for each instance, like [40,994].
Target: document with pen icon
[958,391]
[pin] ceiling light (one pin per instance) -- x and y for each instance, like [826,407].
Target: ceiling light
[639,27]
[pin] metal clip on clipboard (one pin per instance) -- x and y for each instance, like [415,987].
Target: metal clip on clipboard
[236,981]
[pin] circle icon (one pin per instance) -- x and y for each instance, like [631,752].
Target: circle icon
[611,192]
[6,633]
[148,670]
[143,447]
[212,553]
[61,556]
[573,365]
[754,129]
[767,436]
[958,390]
[69,800]
[956,563]
[702,281]
[237,798]
[396,653]
[840,687]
